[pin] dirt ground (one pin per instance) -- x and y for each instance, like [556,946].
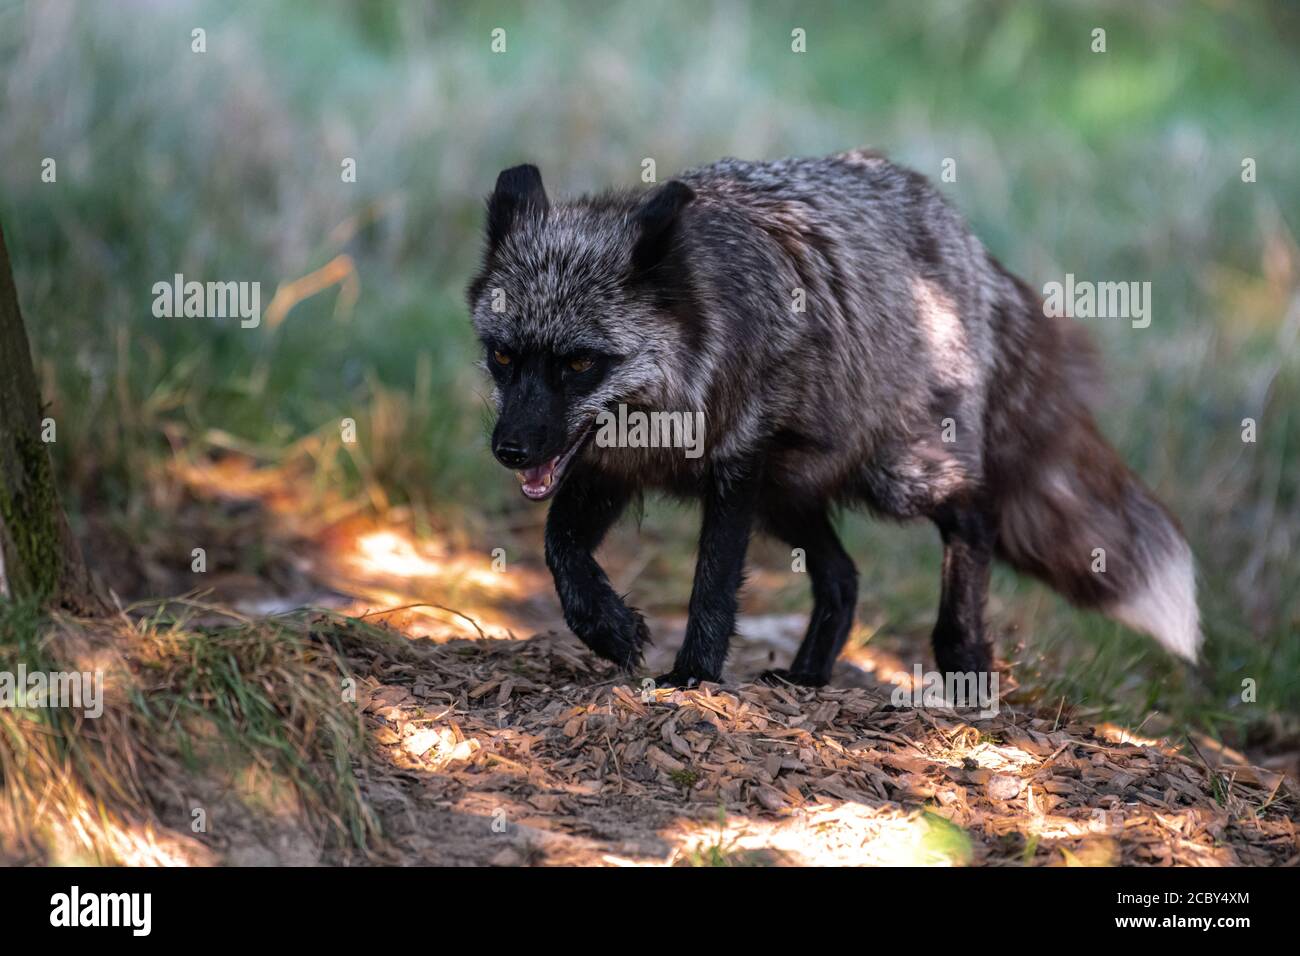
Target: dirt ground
[495,738]
[510,752]
[513,752]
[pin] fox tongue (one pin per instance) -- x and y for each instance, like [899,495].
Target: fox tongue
[537,480]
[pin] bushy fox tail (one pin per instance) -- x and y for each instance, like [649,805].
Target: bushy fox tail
[1071,512]
[1084,523]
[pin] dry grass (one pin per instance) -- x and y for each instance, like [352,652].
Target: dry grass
[245,722]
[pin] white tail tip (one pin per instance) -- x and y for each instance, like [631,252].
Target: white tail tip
[1165,607]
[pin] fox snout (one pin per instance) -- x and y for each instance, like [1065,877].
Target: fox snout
[530,419]
[536,447]
[518,447]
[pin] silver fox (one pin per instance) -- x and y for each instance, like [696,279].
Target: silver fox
[850,342]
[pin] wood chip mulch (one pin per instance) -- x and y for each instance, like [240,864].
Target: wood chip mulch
[520,752]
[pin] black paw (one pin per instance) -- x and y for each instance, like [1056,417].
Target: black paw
[618,635]
[779,675]
[679,678]
[965,659]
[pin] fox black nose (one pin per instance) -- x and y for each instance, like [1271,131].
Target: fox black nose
[511,455]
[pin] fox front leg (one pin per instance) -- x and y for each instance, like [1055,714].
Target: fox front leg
[729,505]
[584,509]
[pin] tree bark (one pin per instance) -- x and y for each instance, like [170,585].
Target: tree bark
[42,562]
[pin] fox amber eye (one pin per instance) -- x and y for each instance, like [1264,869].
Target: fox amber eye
[581,364]
[501,358]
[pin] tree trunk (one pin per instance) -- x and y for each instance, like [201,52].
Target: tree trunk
[41,559]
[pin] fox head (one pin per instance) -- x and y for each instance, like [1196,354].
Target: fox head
[578,307]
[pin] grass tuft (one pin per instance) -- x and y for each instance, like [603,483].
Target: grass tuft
[257,713]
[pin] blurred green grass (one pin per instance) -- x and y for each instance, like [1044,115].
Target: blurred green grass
[225,165]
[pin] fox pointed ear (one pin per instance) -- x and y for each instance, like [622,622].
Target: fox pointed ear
[656,221]
[518,192]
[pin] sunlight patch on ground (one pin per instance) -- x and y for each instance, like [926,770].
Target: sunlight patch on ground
[70,836]
[386,552]
[429,586]
[1123,735]
[392,553]
[377,567]
[845,834]
[425,588]
[402,612]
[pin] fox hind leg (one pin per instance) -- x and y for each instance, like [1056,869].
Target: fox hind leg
[969,535]
[834,586]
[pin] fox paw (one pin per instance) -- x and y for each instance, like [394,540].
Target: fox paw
[965,659]
[778,675]
[619,636]
[684,679]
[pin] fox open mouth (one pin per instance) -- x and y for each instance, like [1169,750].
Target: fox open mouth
[541,481]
